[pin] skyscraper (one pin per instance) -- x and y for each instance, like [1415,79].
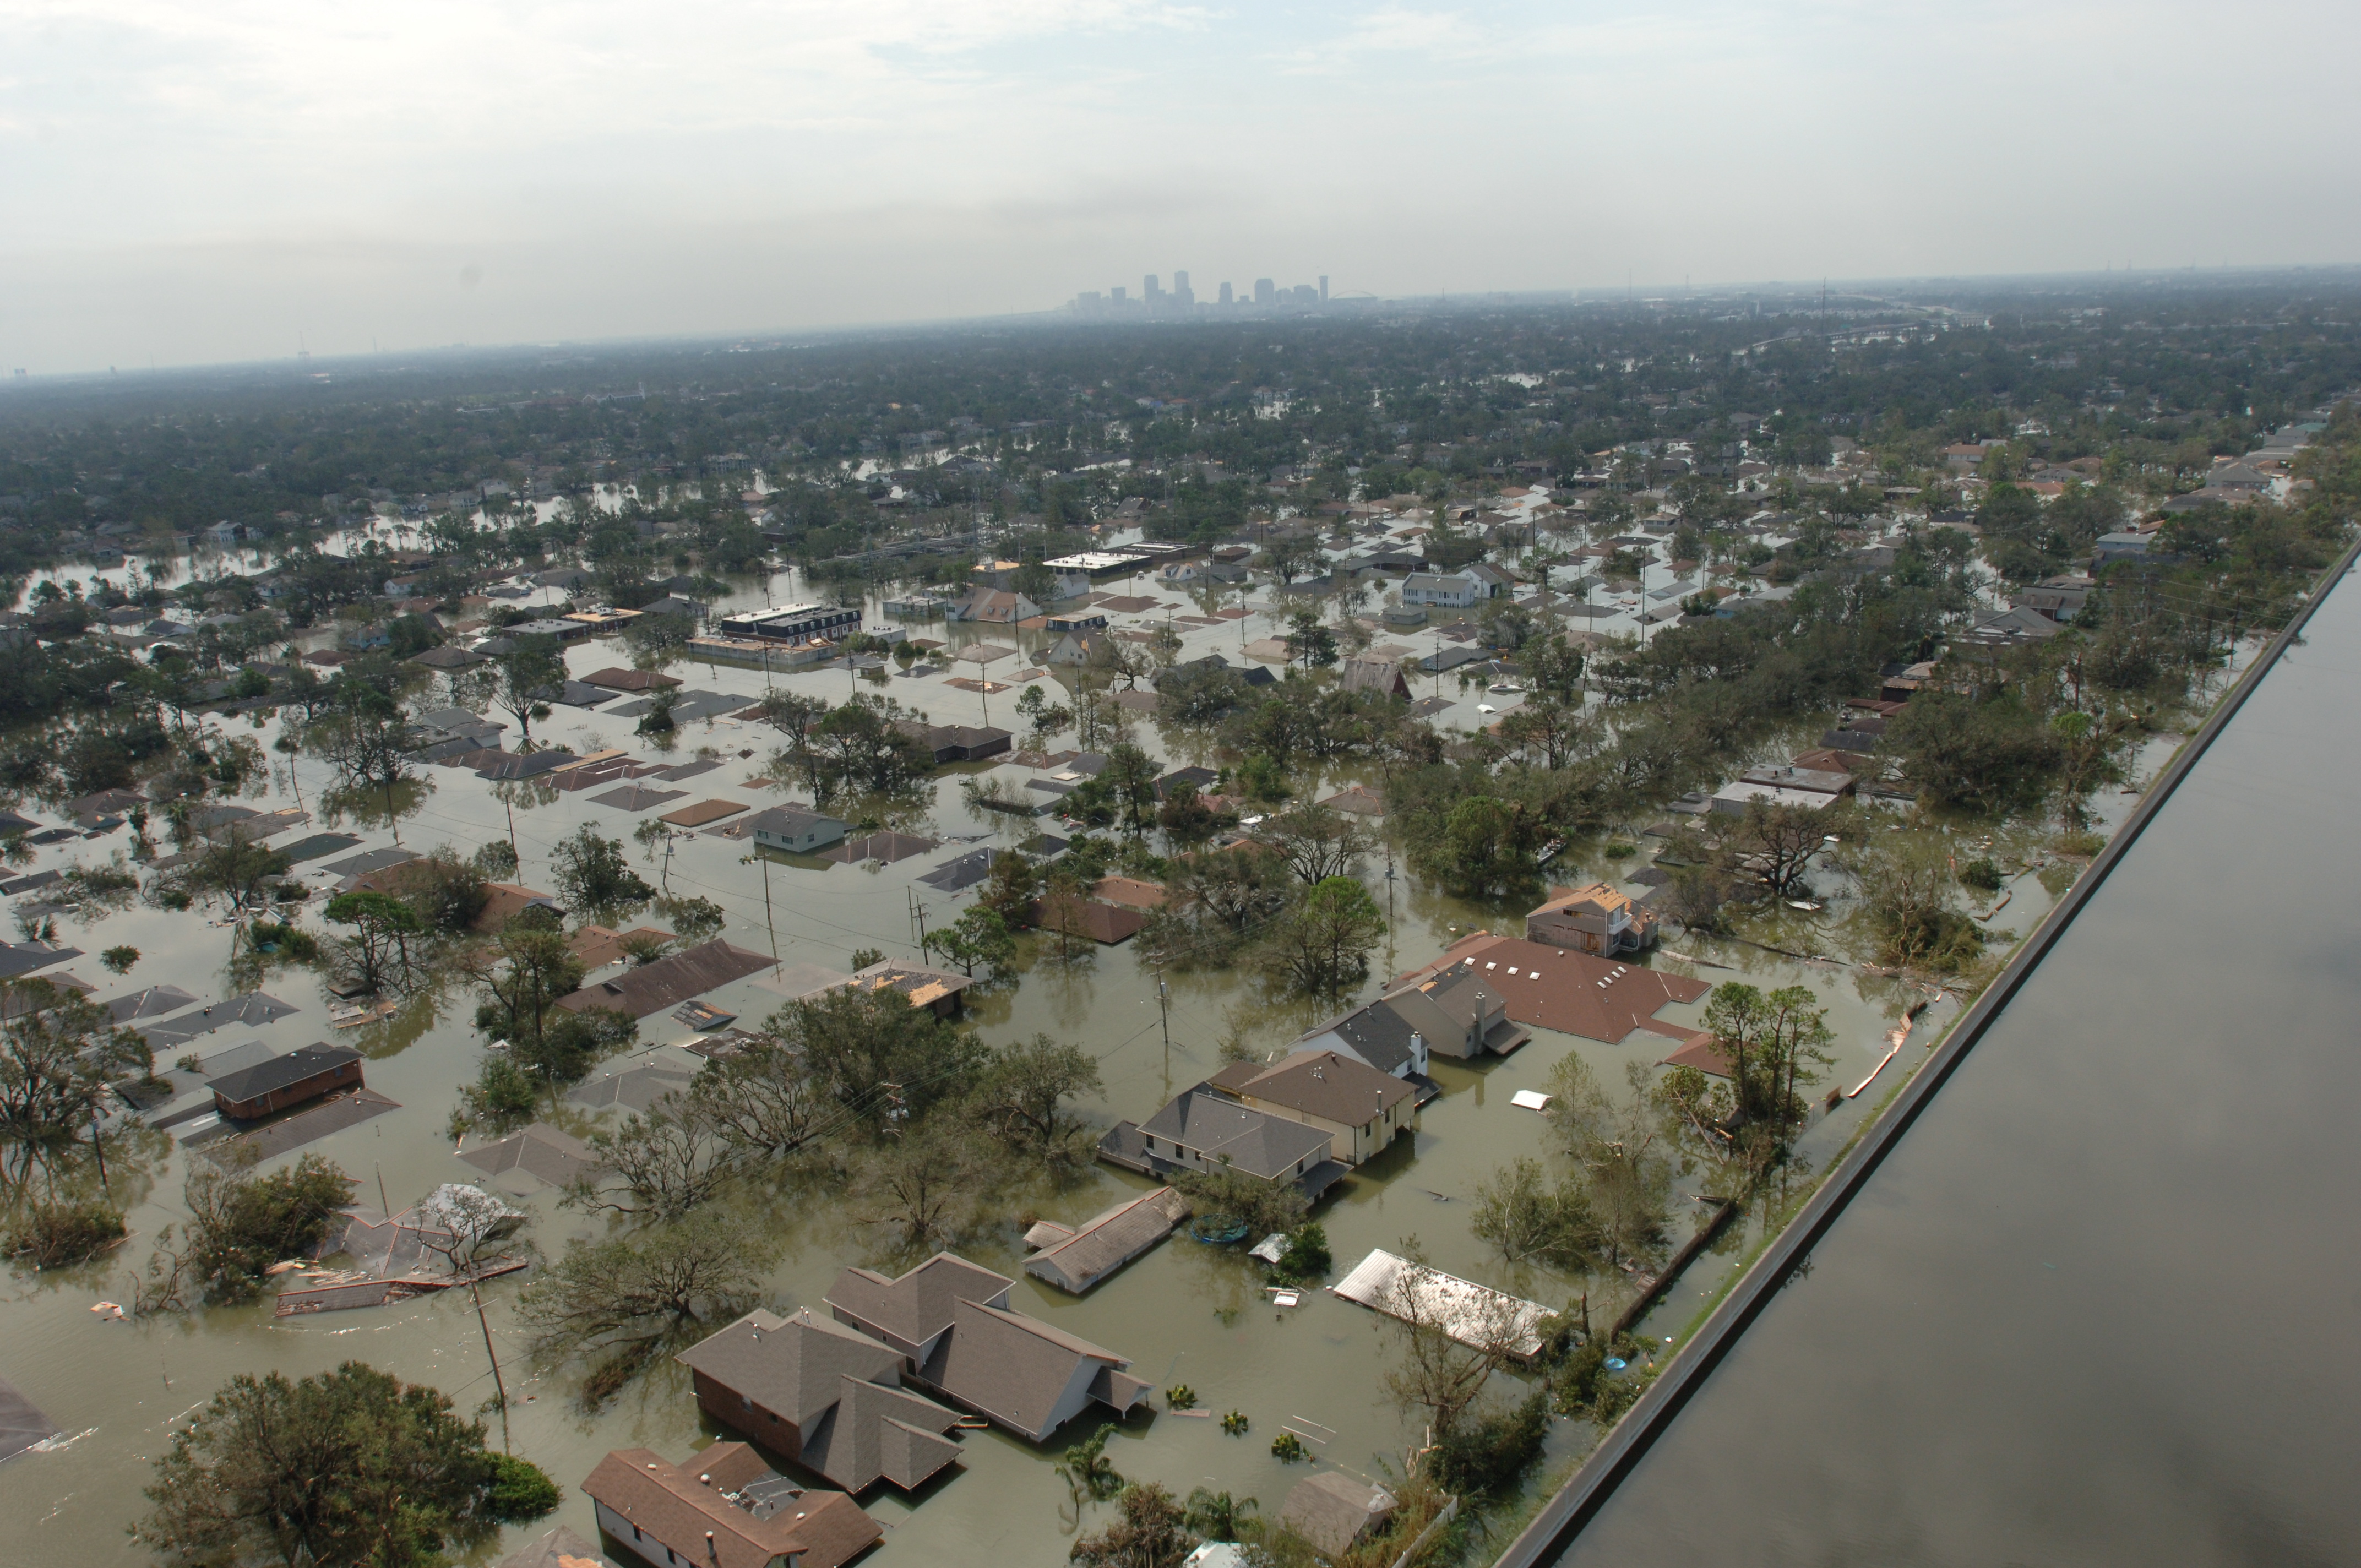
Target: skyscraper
[1226,300]
[1151,291]
[1323,288]
[1184,296]
[1265,290]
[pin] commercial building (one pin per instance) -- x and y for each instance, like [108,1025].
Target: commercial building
[792,623]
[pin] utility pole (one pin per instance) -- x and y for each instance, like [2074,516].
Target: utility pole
[1164,1016]
[498,1381]
[767,924]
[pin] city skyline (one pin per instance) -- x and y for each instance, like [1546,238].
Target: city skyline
[224,183]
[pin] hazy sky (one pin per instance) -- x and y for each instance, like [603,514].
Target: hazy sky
[202,179]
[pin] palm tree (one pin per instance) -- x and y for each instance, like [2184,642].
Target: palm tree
[1215,1515]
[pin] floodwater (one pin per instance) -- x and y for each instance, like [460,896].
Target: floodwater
[1183,1314]
[2099,1305]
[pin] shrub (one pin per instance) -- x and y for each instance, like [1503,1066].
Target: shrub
[1288,1448]
[1981,874]
[56,1235]
[1181,1397]
[1306,1256]
[520,1490]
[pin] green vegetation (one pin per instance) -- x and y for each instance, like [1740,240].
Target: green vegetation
[240,1224]
[347,1466]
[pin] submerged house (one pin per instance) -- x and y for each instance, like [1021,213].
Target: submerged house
[1360,1109]
[1595,919]
[728,1509]
[1204,1129]
[825,1396]
[952,1322]
[284,1081]
[1075,1258]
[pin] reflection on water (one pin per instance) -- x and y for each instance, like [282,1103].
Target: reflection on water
[2097,1306]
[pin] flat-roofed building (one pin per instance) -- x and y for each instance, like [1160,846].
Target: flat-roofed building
[792,623]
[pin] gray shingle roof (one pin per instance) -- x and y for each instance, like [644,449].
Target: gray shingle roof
[1251,1141]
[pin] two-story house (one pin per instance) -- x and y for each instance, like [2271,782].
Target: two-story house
[1593,919]
[1360,1109]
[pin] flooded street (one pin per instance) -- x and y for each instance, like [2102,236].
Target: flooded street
[1182,1312]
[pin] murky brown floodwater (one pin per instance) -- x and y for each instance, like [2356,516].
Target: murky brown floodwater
[1182,1313]
[2098,1306]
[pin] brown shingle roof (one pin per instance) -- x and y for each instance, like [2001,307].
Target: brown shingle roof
[667,982]
[1323,1084]
[616,678]
[1573,993]
[683,1513]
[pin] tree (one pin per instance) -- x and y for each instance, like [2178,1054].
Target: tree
[1130,778]
[1086,1468]
[656,641]
[1185,818]
[979,937]
[1309,639]
[862,746]
[240,1224]
[1323,944]
[625,1301]
[1317,842]
[349,1466]
[1149,1530]
[1290,555]
[874,1054]
[692,919]
[522,977]
[595,877]
[237,866]
[661,1164]
[1991,756]
[58,1056]
[1908,888]
[1216,1516]
[1610,1146]
[1779,844]
[793,714]
[1529,1218]
[378,949]
[524,679]
[1214,903]
[1023,1098]
[923,1185]
[1448,1348]
[1265,1207]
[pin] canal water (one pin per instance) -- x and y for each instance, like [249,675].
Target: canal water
[2099,1304]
